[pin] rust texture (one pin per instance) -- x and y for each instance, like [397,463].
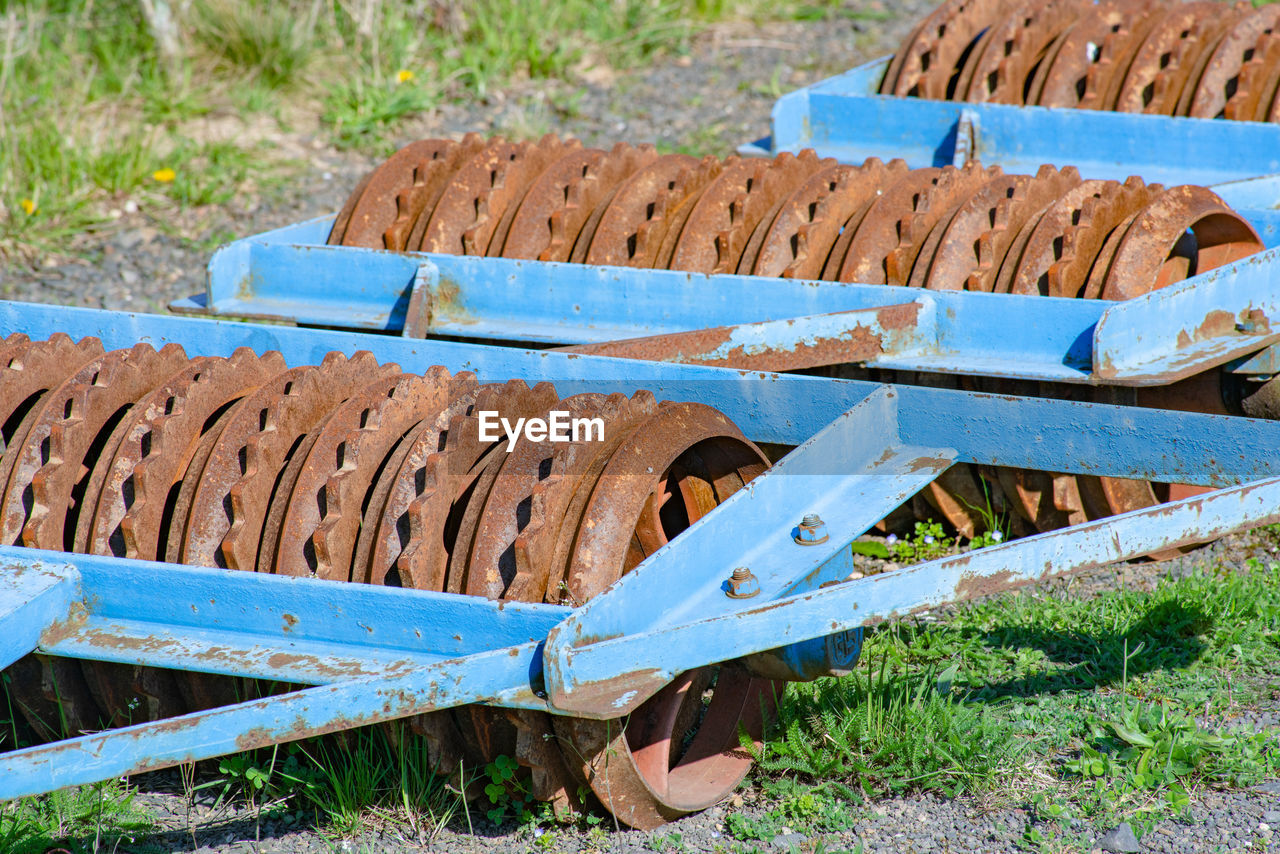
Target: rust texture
[355,471]
[940,228]
[1200,59]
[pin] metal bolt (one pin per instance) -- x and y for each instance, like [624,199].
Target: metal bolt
[742,584]
[811,531]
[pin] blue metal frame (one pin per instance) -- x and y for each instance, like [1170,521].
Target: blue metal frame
[379,653]
[1153,340]
[844,117]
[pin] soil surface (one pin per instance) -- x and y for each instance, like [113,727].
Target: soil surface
[709,101]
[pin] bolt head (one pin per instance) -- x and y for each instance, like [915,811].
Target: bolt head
[742,584]
[811,531]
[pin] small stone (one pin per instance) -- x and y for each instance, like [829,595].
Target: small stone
[1271,816]
[129,277]
[1271,787]
[130,206]
[789,841]
[1121,840]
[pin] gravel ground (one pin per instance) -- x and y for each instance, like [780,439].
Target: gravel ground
[712,99]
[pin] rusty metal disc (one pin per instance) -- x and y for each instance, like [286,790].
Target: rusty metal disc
[1161,65]
[1177,86]
[1061,250]
[895,228]
[1115,55]
[1066,72]
[1221,76]
[339,228]
[877,233]
[563,199]
[663,230]
[499,206]
[376,209]
[458,207]
[416,202]
[812,219]
[342,465]
[649,204]
[385,528]
[725,217]
[154,454]
[493,570]
[234,494]
[328,457]
[178,512]
[49,469]
[1208,50]
[102,462]
[479,204]
[445,478]
[28,370]
[1144,259]
[1256,83]
[939,47]
[1014,49]
[680,751]
[544,547]
[970,254]
[632,474]
[954,251]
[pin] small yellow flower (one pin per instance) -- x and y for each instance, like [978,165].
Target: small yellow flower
[164,176]
[404,75]
[28,206]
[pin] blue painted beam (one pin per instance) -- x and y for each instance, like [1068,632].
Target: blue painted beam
[33,597]
[998,335]
[248,624]
[843,117]
[783,408]
[1211,319]
[499,675]
[633,666]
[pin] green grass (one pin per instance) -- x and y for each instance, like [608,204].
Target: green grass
[91,108]
[1082,708]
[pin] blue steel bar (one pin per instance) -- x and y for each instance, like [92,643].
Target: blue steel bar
[843,117]
[493,676]
[783,408]
[999,335]
[32,598]
[243,623]
[583,672]
[1199,332]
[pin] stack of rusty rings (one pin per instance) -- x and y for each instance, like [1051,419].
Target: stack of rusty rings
[355,471]
[1202,59]
[804,217]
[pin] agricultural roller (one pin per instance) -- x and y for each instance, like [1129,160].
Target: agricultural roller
[188,501]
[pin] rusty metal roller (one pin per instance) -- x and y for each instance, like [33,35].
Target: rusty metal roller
[1202,59]
[355,471]
[803,217]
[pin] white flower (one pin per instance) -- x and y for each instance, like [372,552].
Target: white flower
[997,536]
[928,538]
[891,539]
